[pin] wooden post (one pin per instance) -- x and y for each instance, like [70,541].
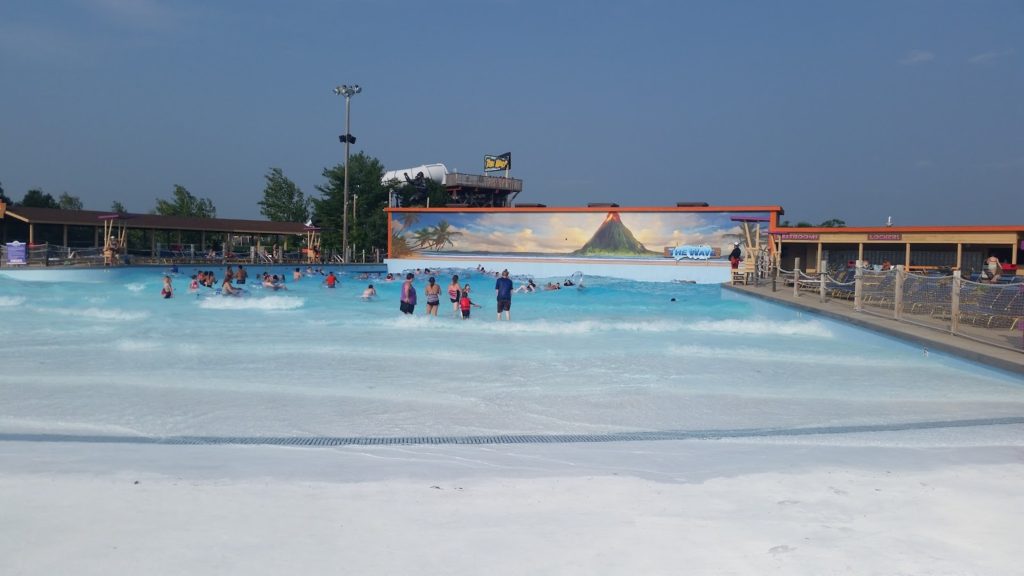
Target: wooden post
[954,305]
[897,306]
[959,256]
[823,273]
[858,286]
[860,251]
[65,235]
[906,260]
[796,278]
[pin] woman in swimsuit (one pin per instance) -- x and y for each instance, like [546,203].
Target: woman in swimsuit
[433,292]
[454,293]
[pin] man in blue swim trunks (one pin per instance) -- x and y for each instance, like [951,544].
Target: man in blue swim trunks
[503,289]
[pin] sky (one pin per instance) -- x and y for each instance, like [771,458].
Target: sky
[851,110]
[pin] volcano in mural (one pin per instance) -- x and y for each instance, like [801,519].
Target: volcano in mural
[613,239]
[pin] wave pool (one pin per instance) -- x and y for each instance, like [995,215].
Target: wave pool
[100,353]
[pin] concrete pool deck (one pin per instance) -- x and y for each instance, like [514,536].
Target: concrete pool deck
[931,338]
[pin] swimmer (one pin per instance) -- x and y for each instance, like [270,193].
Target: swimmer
[297,275]
[274,283]
[370,293]
[528,287]
[331,280]
[194,285]
[228,290]
[168,290]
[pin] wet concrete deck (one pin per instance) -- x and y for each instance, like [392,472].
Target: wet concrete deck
[931,338]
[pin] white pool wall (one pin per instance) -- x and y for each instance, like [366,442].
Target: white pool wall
[708,272]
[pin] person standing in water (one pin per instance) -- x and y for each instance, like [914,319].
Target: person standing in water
[503,290]
[433,292]
[168,290]
[454,294]
[465,303]
[408,303]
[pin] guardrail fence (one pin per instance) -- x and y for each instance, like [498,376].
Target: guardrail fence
[987,312]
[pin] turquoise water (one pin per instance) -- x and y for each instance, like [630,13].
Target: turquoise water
[100,352]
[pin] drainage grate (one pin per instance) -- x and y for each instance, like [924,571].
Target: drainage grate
[509,439]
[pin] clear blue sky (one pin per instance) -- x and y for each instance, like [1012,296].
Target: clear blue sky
[858,110]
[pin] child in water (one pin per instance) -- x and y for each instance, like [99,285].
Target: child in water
[465,303]
[167,291]
[369,293]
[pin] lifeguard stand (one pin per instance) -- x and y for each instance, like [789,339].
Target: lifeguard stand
[756,253]
[115,237]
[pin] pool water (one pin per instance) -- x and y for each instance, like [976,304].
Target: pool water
[102,353]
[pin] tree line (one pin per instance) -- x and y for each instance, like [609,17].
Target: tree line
[283,201]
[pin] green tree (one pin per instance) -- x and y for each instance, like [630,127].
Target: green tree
[3,197]
[68,202]
[437,194]
[367,200]
[36,198]
[283,201]
[185,204]
[833,223]
[116,206]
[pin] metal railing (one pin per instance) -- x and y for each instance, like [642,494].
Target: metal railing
[992,313]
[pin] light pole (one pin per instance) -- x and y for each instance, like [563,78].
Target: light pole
[346,91]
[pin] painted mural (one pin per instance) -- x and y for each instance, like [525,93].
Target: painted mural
[613,234]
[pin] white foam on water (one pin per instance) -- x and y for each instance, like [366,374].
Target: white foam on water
[137,345]
[95,313]
[216,302]
[768,327]
[11,301]
[135,286]
[484,322]
[753,354]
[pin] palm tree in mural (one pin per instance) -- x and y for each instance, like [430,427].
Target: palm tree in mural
[423,237]
[408,219]
[399,245]
[443,234]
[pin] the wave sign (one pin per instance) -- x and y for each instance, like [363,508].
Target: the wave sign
[15,252]
[702,252]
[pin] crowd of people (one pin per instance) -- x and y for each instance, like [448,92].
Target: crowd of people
[459,294]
